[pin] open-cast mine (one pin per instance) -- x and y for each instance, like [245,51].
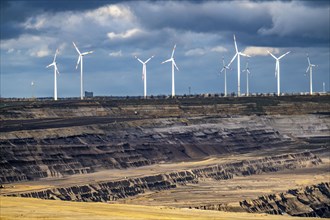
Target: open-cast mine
[166,158]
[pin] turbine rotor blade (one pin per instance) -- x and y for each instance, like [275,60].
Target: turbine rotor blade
[309,62]
[244,55]
[232,59]
[276,68]
[223,61]
[52,64]
[175,64]
[57,70]
[139,60]
[235,44]
[308,68]
[89,52]
[149,59]
[284,55]
[167,60]
[173,51]
[78,61]
[272,55]
[76,48]
[55,55]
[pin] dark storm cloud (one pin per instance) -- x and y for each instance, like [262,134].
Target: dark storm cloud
[258,21]
[315,3]
[274,23]
[209,16]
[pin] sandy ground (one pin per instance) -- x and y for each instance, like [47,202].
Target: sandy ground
[27,208]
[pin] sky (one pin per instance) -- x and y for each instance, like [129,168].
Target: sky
[117,31]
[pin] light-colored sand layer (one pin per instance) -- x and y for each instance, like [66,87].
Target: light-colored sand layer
[27,208]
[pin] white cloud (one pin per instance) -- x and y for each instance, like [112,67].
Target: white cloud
[36,22]
[115,11]
[37,46]
[195,52]
[104,15]
[116,54]
[260,51]
[42,52]
[127,34]
[10,50]
[219,49]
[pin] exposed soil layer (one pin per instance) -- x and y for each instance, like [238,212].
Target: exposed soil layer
[113,190]
[311,201]
[34,154]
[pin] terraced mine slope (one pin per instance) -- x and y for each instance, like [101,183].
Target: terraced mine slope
[183,153]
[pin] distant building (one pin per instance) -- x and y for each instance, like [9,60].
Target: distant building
[88,94]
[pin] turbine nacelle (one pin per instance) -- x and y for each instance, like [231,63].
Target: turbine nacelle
[247,69]
[277,65]
[173,62]
[278,58]
[224,66]
[310,65]
[54,62]
[144,65]
[80,54]
[145,62]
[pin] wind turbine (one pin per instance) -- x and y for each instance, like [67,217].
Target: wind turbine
[247,70]
[55,72]
[144,73]
[80,60]
[310,68]
[277,69]
[32,86]
[173,64]
[225,68]
[238,54]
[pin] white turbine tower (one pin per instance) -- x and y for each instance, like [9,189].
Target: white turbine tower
[277,69]
[247,70]
[225,68]
[238,54]
[144,73]
[32,87]
[310,68]
[55,72]
[80,60]
[173,64]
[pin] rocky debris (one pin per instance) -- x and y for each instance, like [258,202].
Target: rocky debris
[113,190]
[311,201]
